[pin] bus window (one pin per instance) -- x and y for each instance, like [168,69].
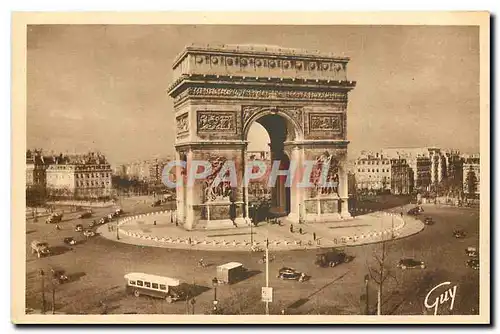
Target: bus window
[131,282]
[147,284]
[155,285]
[139,283]
[163,287]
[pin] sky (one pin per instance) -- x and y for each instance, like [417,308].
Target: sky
[98,87]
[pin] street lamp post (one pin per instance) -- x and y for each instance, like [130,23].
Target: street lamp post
[367,305]
[251,224]
[215,302]
[42,275]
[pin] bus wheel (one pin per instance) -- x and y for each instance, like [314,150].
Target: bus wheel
[169,299]
[137,293]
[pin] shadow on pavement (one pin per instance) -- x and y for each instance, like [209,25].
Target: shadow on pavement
[75,276]
[58,250]
[194,290]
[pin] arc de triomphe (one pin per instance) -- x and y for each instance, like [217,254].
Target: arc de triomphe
[300,98]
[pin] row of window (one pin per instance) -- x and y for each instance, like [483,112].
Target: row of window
[373,170]
[85,175]
[373,162]
[149,285]
[91,183]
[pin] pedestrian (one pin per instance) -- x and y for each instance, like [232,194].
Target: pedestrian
[300,230]
[291,228]
[190,240]
[154,223]
[314,236]
[176,223]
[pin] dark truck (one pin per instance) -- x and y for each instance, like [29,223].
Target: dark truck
[231,272]
[332,258]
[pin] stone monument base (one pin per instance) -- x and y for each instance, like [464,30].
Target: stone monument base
[322,209]
[219,215]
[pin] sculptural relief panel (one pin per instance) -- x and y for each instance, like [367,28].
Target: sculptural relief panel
[217,124]
[182,125]
[325,125]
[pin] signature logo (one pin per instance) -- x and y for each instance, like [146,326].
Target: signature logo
[432,300]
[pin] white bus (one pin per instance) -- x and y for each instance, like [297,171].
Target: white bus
[155,286]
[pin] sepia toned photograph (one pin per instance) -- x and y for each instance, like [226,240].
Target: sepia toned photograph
[175,170]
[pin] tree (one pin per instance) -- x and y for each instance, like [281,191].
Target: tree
[381,272]
[471,182]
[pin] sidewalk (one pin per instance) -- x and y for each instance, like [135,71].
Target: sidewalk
[370,228]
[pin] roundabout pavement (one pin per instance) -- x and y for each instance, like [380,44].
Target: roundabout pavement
[158,229]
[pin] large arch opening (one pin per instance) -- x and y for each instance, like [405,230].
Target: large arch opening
[267,136]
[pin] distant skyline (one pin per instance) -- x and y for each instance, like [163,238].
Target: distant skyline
[103,88]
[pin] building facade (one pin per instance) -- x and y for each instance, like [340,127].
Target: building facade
[401,177]
[471,176]
[373,172]
[80,177]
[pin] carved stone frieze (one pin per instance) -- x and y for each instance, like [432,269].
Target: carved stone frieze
[264,94]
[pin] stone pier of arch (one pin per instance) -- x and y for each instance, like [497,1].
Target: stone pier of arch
[299,97]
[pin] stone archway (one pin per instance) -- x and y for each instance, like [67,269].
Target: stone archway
[301,98]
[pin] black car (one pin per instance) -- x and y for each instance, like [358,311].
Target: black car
[59,275]
[156,203]
[428,221]
[459,234]
[333,258]
[473,263]
[79,228]
[287,273]
[410,263]
[70,241]
[471,251]
[84,215]
[413,211]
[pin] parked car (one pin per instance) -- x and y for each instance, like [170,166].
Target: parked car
[54,218]
[92,224]
[118,212]
[473,263]
[70,241]
[104,220]
[428,221]
[459,234]
[59,275]
[88,233]
[156,203]
[410,264]
[414,211]
[110,216]
[86,214]
[40,248]
[332,258]
[287,273]
[79,228]
[471,251]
